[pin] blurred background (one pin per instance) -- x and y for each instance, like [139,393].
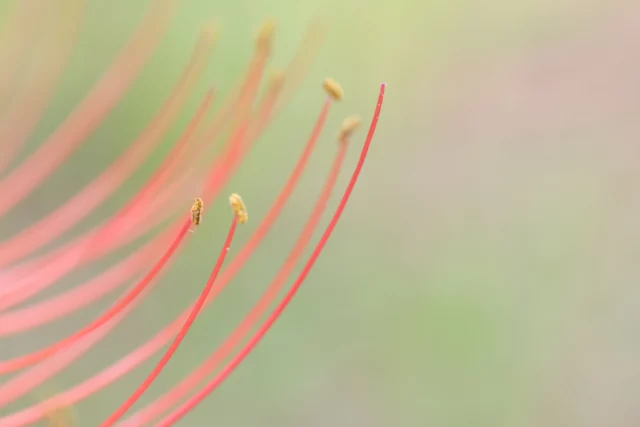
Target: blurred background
[485,271]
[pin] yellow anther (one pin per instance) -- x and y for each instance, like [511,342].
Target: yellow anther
[197,209]
[349,125]
[333,88]
[239,208]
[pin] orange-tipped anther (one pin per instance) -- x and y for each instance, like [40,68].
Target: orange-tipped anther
[333,88]
[239,208]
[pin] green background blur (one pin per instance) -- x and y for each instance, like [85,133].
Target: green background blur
[485,271]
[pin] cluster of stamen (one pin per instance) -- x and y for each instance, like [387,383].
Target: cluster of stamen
[192,171]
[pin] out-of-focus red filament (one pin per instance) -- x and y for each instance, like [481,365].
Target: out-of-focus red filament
[90,112]
[91,245]
[82,203]
[7,366]
[37,88]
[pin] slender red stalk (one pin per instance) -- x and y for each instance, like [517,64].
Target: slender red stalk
[303,59]
[78,297]
[105,184]
[235,109]
[25,381]
[11,365]
[39,373]
[115,416]
[240,142]
[266,111]
[90,112]
[277,94]
[255,339]
[235,152]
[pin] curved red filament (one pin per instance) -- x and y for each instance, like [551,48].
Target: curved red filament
[181,334]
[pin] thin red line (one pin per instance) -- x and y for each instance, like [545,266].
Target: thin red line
[12,365]
[115,416]
[27,379]
[34,315]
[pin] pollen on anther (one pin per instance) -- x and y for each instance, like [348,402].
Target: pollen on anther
[349,125]
[239,208]
[333,88]
[196,211]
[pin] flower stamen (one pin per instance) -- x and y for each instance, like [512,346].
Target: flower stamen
[333,89]
[239,208]
[238,334]
[193,166]
[185,327]
[196,211]
[349,125]
[165,402]
[255,339]
[49,367]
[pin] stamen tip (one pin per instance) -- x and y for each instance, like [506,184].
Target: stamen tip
[265,35]
[209,32]
[239,208]
[349,125]
[197,209]
[60,416]
[333,88]
[276,79]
